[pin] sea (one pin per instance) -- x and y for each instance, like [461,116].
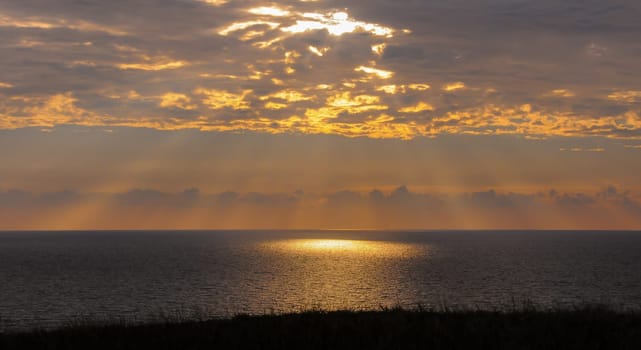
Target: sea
[53,279]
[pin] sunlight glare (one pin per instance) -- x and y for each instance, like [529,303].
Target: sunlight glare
[345,247]
[269,11]
[383,74]
[337,24]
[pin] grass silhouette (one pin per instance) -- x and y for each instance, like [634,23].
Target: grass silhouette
[585,327]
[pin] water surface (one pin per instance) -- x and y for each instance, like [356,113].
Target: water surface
[49,278]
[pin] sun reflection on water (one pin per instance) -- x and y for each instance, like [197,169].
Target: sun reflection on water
[335,272]
[350,247]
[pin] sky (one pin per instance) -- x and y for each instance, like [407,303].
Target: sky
[360,114]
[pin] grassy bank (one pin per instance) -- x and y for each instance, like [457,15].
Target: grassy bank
[581,328]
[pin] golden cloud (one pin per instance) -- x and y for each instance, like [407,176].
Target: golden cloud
[288,95]
[380,73]
[215,2]
[561,93]
[357,104]
[420,107]
[630,96]
[459,85]
[48,24]
[152,66]
[275,105]
[175,100]
[218,99]
[330,117]
[269,11]
[337,24]
[393,89]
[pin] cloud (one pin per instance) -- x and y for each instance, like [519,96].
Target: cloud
[380,73]
[217,99]
[561,93]
[176,100]
[395,209]
[492,199]
[26,200]
[579,149]
[419,107]
[454,86]
[246,66]
[626,96]
[153,65]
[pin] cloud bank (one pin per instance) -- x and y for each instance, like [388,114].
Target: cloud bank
[610,208]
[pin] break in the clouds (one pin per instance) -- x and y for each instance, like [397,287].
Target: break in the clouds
[381,69]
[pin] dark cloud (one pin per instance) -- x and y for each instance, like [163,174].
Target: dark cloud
[14,198]
[24,199]
[492,199]
[398,208]
[574,200]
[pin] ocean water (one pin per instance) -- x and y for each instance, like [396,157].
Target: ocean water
[48,279]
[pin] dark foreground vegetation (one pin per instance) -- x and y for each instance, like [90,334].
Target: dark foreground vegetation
[581,328]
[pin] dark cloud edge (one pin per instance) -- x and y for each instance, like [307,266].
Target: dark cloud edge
[401,196]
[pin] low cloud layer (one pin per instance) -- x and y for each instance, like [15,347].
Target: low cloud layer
[381,69]
[610,208]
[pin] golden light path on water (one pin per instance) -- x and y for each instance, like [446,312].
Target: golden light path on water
[353,247]
[338,273]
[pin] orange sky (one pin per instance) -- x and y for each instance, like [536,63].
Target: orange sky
[320,114]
